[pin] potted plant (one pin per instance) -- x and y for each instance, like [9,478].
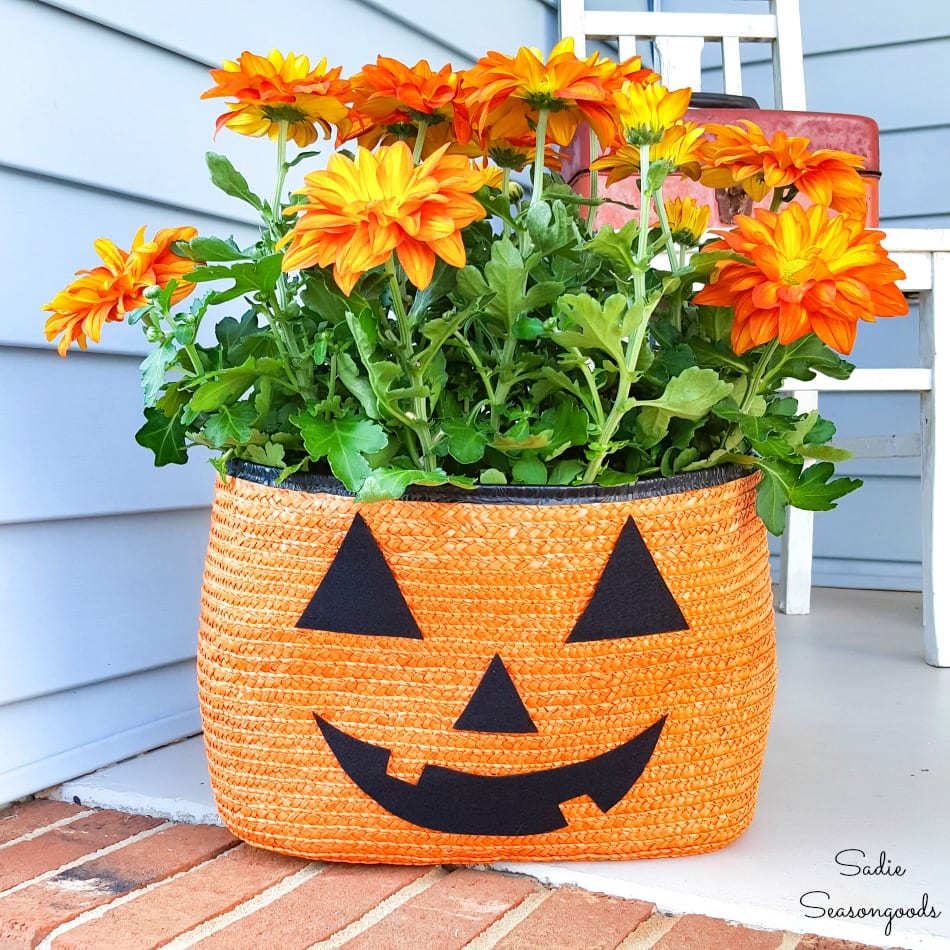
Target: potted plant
[487,574]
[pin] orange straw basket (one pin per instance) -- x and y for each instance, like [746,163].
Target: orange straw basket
[509,674]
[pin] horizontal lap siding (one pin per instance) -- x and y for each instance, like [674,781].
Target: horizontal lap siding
[102,552]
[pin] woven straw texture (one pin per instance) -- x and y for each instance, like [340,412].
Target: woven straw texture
[481,580]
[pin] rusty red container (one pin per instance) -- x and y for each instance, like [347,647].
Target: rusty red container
[857,134]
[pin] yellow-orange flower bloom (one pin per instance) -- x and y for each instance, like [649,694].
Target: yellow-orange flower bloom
[390,93]
[682,148]
[809,272]
[749,158]
[647,111]
[629,70]
[273,89]
[504,94]
[687,218]
[359,211]
[108,292]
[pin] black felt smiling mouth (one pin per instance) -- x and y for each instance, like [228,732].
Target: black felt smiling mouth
[467,804]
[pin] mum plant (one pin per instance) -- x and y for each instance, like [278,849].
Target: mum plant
[415,315]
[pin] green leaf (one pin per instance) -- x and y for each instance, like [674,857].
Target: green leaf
[270,453]
[506,273]
[302,156]
[165,436]
[824,453]
[202,249]
[226,177]
[530,442]
[471,284]
[805,357]
[566,471]
[357,384]
[383,484]
[153,370]
[652,426]
[816,490]
[550,226]
[230,332]
[527,328]
[774,491]
[606,326]
[616,246]
[320,296]
[229,385]
[568,425]
[465,444]
[344,443]
[491,476]
[529,471]
[250,276]
[692,394]
[823,430]
[542,295]
[230,424]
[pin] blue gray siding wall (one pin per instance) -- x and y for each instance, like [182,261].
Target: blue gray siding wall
[101,553]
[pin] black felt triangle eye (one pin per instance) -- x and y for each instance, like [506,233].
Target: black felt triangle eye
[631,598]
[359,593]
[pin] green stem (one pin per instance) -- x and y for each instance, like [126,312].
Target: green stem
[665,225]
[594,183]
[505,379]
[420,410]
[758,372]
[596,405]
[275,204]
[281,330]
[609,428]
[192,352]
[479,367]
[777,199]
[640,273]
[537,183]
[420,141]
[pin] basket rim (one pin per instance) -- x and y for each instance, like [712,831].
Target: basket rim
[315,482]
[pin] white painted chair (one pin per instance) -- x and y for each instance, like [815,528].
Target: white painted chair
[924,255]
[679,39]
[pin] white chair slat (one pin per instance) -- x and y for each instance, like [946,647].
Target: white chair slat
[680,61]
[731,66]
[604,24]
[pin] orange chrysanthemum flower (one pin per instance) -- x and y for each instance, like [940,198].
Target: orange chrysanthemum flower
[682,148]
[629,70]
[273,89]
[503,94]
[389,95]
[809,272]
[108,292]
[687,219]
[358,212]
[749,158]
[648,111]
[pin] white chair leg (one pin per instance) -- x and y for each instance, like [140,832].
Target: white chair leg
[795,560]
[934,451]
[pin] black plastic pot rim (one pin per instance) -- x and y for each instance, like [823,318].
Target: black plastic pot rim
[503,494]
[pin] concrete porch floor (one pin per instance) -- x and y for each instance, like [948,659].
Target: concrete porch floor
[857,764]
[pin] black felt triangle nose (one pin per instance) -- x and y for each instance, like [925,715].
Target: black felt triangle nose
[495,705]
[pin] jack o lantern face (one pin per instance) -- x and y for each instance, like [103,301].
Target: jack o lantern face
[359,596]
